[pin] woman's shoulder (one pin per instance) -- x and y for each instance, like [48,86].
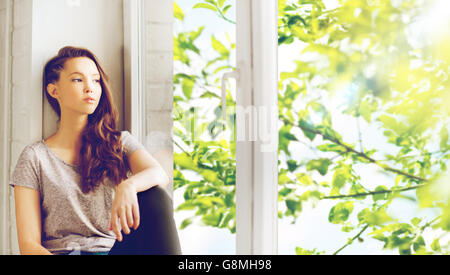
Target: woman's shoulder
[130,143]
[32,149]
[125,133]
[31,153]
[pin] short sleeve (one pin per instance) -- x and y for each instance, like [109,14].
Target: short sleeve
[130,143]
[26,173]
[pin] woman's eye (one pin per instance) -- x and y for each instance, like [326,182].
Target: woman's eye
[77,80]
[97,80]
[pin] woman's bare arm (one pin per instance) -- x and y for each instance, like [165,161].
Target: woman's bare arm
[28,220]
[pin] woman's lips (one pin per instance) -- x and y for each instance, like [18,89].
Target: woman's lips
[90,100]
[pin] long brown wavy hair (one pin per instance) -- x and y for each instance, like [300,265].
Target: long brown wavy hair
[101,154]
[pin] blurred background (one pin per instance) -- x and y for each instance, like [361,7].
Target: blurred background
[363,126]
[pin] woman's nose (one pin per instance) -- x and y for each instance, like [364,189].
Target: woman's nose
[88,88]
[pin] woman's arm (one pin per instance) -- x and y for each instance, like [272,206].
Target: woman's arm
[147,172]
[28,220]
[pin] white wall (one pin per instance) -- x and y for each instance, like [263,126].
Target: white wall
[158,24]
[38,30]
[94,24]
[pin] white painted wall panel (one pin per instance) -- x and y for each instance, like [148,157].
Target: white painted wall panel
[94,24]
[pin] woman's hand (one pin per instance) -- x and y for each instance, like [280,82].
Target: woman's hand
[125,208]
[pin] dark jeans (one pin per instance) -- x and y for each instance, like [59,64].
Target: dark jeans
[157,232]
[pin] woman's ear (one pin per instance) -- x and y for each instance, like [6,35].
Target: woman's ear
[52,90]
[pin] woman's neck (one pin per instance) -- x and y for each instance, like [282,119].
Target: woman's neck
[70,129]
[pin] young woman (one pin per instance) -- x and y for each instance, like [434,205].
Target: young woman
[78,190]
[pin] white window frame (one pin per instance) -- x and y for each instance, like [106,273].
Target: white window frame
[134,74]
[257,86]
[6,193]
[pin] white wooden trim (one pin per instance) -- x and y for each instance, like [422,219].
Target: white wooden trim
[244,149]
[256,167]
[134,111]
[5,191]
[265,98]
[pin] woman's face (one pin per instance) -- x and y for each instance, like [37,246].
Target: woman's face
[78,81]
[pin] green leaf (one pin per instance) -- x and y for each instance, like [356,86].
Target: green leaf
[186,222]
[285,191]
[444,138]
[177,11]
[212,219]
[307,129]
[332,147]
[184,162]
[415,221]
[195,34]
[226,220]
[224,11]
[340,212]
[304,178]
[284,138]
[221,2]
[404,250]
[357,189]
[209,94]
[379,217]
[366,108]
[391,123]
[295,19]
[294,205]
[204,6]
[187,86]
[339,178]
[212,2]
[218,46]
[187,205]
[283,178]
[292,165]
[302,251]
[321,165]
[382,196]
[419,244]
[435,246]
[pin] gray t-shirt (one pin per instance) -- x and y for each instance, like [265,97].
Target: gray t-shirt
[71,220]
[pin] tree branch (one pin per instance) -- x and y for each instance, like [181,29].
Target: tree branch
[176,143]
[374,192]
[351,241]
[352,150]
[224,18]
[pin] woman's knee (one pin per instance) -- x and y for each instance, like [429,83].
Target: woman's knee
[155,200]
[158,226]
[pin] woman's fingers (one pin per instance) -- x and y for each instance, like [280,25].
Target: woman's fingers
[136,215]
[130,217]
[123,221]
[115,226]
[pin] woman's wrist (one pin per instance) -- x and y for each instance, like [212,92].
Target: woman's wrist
[127,184]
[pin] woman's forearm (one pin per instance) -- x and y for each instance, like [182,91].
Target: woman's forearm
[149,178]
[33,249]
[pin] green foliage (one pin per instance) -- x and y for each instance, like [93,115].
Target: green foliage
[217,7]
[358,54]
[340,212]
[302,251]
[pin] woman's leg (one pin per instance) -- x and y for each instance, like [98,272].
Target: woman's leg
[157,232]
